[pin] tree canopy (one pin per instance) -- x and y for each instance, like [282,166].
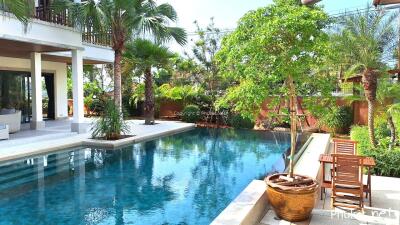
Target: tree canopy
[269,45]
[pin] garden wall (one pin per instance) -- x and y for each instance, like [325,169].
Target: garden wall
[170,109]
[359,108]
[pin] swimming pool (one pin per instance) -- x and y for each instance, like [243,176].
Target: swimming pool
[187,178]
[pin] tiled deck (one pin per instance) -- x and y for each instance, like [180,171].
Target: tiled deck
[57,135]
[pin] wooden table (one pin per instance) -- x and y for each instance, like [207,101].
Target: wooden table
[369,162]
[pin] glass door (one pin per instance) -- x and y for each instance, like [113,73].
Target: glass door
[15,93]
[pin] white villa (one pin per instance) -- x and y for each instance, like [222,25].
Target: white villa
[33,64]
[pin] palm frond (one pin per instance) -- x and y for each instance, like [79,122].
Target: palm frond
[22,9]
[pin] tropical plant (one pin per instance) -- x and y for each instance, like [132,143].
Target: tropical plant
[273,52]
[187,94]
[237,121]
[191,114]
[387,161]
[338,119]
[110,125]
[125,19]
[362,41]
[22,9]
[204,51]
[387,93]
[143,55]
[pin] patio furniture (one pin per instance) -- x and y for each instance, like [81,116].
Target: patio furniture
[368,162]
[4,132]
[12,118]
[347,181]
[344,146]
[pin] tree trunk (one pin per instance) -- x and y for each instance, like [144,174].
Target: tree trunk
[371,126]
[293,124]
[117,79]
[370,84]
[392,131]
[149,98]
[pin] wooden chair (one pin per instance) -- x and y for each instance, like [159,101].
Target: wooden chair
[344,146]
[340,146]
[347,181]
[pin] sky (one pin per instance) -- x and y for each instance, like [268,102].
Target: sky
[226,13]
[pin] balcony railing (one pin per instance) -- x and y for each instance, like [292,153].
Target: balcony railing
[49,15]
[97,38]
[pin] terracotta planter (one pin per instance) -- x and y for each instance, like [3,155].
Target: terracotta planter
[291,203]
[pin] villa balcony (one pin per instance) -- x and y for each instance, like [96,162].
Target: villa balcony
[63,18]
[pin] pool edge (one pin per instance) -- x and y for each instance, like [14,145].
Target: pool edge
[84,141]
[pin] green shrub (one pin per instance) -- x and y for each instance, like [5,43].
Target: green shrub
[360,134]
[237,121]
[387,161]
[381,127]
[110,125]
[338,119]
[191,114]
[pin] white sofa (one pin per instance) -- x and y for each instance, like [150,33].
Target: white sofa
[4,133]
[12,118]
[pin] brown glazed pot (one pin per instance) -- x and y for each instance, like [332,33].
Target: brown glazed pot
[291,203]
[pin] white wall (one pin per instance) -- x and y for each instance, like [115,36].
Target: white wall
[39,32]
[60,79]
[91,52]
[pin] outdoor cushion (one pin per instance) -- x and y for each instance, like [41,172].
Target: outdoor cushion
[7,111]
[4,132]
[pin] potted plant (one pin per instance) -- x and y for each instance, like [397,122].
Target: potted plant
[292,196]
[111,124]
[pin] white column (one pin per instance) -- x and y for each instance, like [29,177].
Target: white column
[36,81]
[77,92]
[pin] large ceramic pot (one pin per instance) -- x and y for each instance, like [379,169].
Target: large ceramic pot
[292,203]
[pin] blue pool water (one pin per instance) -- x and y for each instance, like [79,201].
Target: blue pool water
[188,178]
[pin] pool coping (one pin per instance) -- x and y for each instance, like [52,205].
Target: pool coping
[95,143]
[84,140]
[250,206]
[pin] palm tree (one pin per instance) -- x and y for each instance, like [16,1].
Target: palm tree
[143,55]
[22,9]
[125,19]
[363,41]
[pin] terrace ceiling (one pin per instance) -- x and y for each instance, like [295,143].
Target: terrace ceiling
[386,2]
[20,49]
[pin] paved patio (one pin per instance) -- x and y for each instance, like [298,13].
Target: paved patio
[385,210]
[385,207]
[57,135]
